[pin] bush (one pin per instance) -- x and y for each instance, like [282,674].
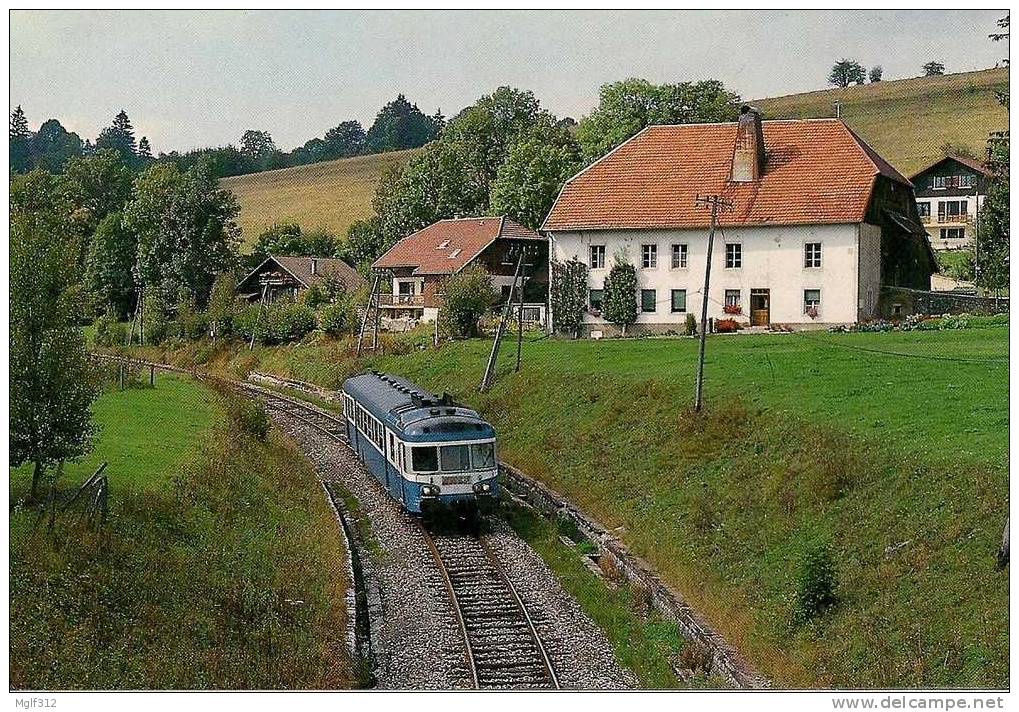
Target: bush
[467,295]
[109,331]
[249,417]
[191,325]
[245,319]
[337,319]
[726,326]
[691,325]
[284,322]
[816,592]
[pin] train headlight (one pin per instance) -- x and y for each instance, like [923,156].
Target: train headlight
[429,490]
[482,487]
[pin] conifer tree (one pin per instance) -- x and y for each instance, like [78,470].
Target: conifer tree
[20,142]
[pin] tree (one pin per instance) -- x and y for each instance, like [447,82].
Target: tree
[619,299]
[846,72]
[51,382]
[399,125]
[933,69]
[144,150]
[186,231]
[52,146]
[258,146]
[626,107]
[568,295]
[222,303]
[466,297]
[364,245]
[531,177]
[20,142]
[875,74]
[993,245]
[345,140]
[119,137]
[95,186]
[109,268]
[289,240]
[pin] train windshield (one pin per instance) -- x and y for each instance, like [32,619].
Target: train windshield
[483,456]
[453,458]
[425,459]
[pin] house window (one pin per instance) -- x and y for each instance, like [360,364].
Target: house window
[811,299]
[953,233]
[938,183]
[454,253]
[924,209]
[952,210]
[812,254]
[965,181]
[443,245]
[505,292]
[597,256]
[406,289]
[648,300]
[732,297]
[678,300]
[733,255]
[594,298]
[649,256]
[679,255]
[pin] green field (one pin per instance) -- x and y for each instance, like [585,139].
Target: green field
[212,536]
[908,120]
[890,448]
[329,195]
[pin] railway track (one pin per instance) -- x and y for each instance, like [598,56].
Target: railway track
[503,647]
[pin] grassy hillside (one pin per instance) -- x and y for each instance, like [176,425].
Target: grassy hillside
[329,195]
[212,535]
[889,448]
[908,120]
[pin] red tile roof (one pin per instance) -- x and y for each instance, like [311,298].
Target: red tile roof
[448,246]
[817,172]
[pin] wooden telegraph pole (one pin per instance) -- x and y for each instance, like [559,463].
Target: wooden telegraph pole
[373,298]
[486,380]
[717,203]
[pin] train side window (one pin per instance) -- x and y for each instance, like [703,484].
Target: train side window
[455,458]
[392,448]
[483,456]
[424,458]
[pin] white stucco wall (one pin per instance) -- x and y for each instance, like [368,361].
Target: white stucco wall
[773,259]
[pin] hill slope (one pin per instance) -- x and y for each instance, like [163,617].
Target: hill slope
[908,120]
[329,195]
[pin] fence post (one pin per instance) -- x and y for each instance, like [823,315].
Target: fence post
[152,376]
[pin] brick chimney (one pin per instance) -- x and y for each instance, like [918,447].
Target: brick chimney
[748,152]
[314,266]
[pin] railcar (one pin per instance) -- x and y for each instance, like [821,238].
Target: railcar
[428,452]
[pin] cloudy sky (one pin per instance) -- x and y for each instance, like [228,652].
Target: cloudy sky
[192,79]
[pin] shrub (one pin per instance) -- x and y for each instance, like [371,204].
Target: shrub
[284,322]
[619,299]
[245,319]
[337,319]
[109,331]
[816,592]
[467,295]
[249,417]
[191,325]
[726,326]
[691,325]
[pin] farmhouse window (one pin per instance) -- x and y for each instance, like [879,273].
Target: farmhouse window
[733,255]
[594,299]
[938,183]
[597,256]
[732,297]
[648,300]
[649,256]
[406,289]
[952,209]
[965,181]
[455,458]
[924,208]
[679,256]
[811,299]
[678,300]
[424,458]
[812,254]
[953,233]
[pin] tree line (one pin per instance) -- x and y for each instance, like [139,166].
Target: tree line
[848,71]
[399,125]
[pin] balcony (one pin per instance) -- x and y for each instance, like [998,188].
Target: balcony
[945,219]
[399,301]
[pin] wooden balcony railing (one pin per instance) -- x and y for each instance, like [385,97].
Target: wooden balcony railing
[402,300]
[945,219]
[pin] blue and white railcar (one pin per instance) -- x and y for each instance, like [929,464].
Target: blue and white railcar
[424,449]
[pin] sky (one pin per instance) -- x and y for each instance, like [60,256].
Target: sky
[198,78]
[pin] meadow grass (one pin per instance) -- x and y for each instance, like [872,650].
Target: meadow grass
[220,566]
[889,448]
[908,120]
[329,195]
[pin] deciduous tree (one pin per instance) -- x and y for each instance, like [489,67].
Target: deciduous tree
[933,69]
[993,246]
[875,74]
[52,146]
[399,125]
[568,295]
[531,177]
[846,72]
[109,267]
[466,297]
[288,239]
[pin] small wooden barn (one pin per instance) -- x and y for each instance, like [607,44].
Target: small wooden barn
[280,275]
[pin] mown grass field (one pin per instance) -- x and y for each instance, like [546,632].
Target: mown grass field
[890,448]
[908,120]
[220,565]
[329,195]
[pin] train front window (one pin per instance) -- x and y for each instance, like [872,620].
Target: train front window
[425,458]
[455,458]
[483,455]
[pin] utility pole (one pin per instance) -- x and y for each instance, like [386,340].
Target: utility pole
[520,314]
[486,380]
[373,297]
[716,202]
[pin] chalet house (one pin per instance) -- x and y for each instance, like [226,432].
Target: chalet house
[818,223]
[421,261]
[949,195]
[279,275]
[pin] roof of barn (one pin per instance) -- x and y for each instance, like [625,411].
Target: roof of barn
[300,269]
[447,246]
[817,171]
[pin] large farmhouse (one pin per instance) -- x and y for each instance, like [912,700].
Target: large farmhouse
[421,261]
[819,223]
[949,195]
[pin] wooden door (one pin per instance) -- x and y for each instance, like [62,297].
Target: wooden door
[760,307]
